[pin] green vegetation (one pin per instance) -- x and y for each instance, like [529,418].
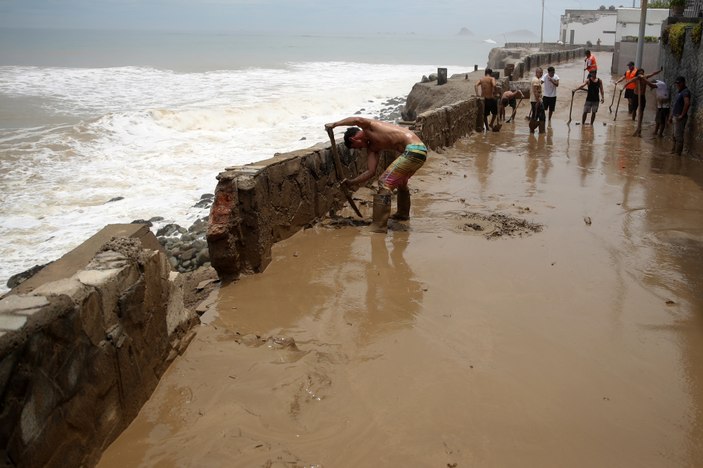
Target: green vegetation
[696,33]
[676,39]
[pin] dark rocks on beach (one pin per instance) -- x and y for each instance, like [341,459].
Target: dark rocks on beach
[205,201]
[19,278]
[187,249]
[391,110]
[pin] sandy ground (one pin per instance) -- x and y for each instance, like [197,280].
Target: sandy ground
[579,345]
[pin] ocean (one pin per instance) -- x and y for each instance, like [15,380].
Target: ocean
[100,127]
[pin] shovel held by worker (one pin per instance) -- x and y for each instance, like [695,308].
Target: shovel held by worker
[573,93]
[512,116]
[617,106]
[340,174]
[612,100]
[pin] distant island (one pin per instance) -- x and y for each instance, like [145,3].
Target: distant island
[465,32]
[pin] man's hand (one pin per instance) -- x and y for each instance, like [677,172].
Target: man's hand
[348,185]
[602,100]
[329,126]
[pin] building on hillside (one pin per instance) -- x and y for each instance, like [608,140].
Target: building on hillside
[583,26]
[627,30]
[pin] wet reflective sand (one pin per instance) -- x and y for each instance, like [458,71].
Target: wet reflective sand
[580,345]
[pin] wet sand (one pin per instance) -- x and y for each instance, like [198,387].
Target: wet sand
[440,345]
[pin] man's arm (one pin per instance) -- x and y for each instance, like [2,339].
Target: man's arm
[476,86]
[686,103]
[602,93]
[371,165]
[351,121]
[554,82]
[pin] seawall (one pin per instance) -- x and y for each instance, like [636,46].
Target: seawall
[83,344]
[260,204]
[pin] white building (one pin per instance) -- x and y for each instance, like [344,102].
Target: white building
[628,22]
[581,26]
[627,30]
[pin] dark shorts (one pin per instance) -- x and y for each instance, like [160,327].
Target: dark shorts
[537,112]
[550,103]
[490,106]
[629,93]
[662,115]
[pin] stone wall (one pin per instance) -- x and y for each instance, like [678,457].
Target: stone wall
[260,204]
[83,346]
[689,66]
[517,63]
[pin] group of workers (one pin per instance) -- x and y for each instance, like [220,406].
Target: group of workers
[376,136]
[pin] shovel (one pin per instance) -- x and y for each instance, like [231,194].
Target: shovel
[340,174]
[618,106]
[615,89]
[573,93]
[512,116]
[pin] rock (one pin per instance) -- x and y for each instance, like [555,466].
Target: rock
[19,278]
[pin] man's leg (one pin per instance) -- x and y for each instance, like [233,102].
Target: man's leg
[583,118]
[680,128]
[593,117]
[403,213]
[381,211]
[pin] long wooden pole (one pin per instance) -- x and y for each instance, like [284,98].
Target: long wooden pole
[340,173]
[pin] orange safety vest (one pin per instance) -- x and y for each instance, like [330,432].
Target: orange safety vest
[630,75]
[591,64]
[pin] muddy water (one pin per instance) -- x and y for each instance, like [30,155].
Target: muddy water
[440,344]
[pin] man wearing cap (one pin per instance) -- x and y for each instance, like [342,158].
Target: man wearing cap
[663,104]
[630,73]
[679,114]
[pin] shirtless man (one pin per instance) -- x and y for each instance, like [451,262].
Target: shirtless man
[509,98]
[377,136]
[488,86]
[642,84]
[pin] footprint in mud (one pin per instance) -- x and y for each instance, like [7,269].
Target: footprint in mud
[284,346]
[497,225]
[287,350]
[311,389]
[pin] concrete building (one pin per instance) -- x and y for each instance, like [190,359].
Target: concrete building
[626,32]
[583,26]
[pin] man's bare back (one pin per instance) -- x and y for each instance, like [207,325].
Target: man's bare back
[383,135]
[488,87]
[386,136]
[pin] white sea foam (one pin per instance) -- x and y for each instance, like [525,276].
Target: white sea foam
[157,138]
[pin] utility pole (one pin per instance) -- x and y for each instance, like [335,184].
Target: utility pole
[541,29]
[640,37]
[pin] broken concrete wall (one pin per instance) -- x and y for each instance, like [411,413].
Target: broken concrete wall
[79,355]
[260,204]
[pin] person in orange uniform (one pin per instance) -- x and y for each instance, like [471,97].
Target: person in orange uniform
[632,102]
[590,61]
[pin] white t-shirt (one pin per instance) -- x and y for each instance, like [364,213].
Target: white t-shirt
[662,91]
[550,90]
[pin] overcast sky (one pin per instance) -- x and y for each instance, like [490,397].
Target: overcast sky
[298,16]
